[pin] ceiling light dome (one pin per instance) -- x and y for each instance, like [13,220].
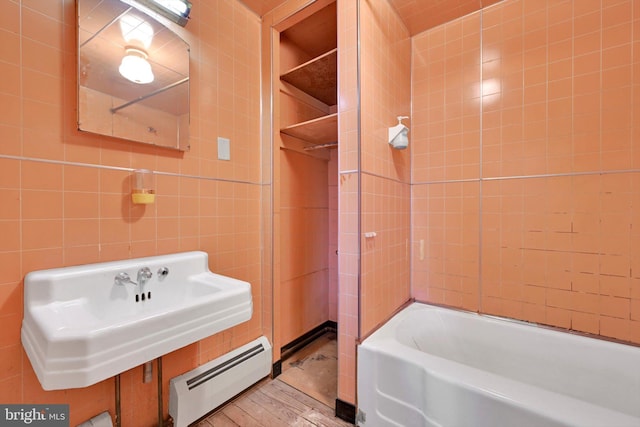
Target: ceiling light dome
[135,67]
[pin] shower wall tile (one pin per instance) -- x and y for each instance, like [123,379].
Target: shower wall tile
[348,183]
[385,172]
[562,99]
[558,250]
[348,297]
[66,199]
[446,102]
[385,257]
[446,243]
[385,90]
[557,181]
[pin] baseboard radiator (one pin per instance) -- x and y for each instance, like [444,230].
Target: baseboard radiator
[194,394]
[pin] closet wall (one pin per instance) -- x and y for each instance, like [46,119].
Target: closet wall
[304,231]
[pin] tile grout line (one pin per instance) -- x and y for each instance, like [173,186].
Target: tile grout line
[480,169]
[128,169]
[20,167]
[538,176]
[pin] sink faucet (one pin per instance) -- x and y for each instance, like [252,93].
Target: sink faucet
[123,278]
[144,274]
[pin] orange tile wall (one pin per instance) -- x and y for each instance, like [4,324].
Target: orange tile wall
[348,208]
[385,172]
[525,164]
[446,163]
[333,235]
[65,194]
[374,178]
[385,281]
[304,212]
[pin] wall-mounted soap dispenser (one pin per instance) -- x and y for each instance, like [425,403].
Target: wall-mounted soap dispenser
[398,135]
[143,187]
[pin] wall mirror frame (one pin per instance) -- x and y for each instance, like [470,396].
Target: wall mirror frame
[118,38]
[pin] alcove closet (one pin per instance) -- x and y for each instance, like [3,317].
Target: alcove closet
[306,131]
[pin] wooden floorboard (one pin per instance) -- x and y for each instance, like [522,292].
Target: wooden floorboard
[240,417]
[277,409]
[310,409]
[303,398]
[219,419]
[223,421]
[273,403]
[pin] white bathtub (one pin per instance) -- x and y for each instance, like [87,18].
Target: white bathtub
[431,366]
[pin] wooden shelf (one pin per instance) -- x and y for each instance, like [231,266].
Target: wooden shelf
[317,77]
[322,130]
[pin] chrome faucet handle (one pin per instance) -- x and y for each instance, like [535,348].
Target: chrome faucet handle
[144,274]
[163,272]
[122,279]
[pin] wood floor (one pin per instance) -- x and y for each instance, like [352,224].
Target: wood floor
[314,369]
[273,403]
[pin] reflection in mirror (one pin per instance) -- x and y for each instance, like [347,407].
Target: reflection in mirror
[133,75]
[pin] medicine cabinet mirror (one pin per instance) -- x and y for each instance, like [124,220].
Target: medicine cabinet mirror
[133,75]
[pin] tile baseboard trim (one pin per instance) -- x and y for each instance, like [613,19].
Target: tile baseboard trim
[346,411]
[276,369]
[303,340]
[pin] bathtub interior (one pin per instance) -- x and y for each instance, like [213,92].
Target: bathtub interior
[596,371]
[557,369]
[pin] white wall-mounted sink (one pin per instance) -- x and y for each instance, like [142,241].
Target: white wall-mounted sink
[82,325]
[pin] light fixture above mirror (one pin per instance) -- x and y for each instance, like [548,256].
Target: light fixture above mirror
[176,10]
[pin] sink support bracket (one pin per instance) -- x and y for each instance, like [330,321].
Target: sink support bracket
[160,409]
[118,407]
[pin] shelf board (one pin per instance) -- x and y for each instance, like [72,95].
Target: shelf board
[317,77]
[322,130]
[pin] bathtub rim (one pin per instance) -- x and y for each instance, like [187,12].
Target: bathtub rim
[411,301]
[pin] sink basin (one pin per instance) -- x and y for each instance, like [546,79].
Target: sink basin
[82,326]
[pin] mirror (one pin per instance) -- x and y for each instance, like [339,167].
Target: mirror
[150,104]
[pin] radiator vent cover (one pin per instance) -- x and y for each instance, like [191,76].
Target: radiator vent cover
[194,394]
